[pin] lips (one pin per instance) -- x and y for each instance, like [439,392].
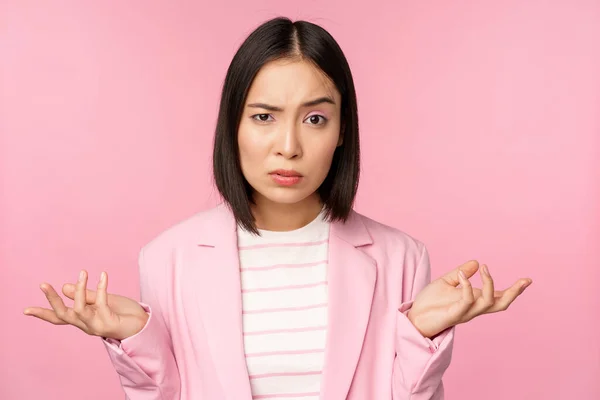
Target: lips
[286,173]
[286,177]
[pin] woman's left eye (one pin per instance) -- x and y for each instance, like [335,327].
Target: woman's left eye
[314,119]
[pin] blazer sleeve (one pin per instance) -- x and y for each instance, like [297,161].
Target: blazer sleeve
[420,362]
[145,362]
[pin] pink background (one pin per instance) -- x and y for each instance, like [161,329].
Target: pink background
[486,113]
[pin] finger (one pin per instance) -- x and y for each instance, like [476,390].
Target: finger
[469,268]
[467,299]
[57,304]
[68,290]
[79,306]
[488,288]
[484,298]
[509,295]
[479,293]
[101,295]
[500,293]
[44,314]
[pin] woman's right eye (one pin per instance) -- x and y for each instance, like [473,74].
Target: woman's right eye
[261,117]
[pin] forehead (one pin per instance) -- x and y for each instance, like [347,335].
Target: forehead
[291,81]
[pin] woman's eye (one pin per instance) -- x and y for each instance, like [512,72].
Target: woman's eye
[261,117]
[315,119]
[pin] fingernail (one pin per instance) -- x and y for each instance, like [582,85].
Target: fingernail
[102,276]
[524,285]
[462,274]
[81,276]
[44,289]
[485,269]
[26,311]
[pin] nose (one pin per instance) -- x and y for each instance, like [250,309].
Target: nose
[287,143]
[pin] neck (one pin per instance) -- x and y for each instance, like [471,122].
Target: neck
[273,216]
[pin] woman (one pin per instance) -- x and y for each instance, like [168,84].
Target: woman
[283,291]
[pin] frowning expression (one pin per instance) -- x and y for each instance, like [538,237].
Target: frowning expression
[289,130]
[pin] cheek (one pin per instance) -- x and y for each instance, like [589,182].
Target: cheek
[252,148]
[322,155]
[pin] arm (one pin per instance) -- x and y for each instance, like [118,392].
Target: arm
[145,362]
[420,362]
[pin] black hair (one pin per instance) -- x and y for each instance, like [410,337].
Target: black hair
[280,38]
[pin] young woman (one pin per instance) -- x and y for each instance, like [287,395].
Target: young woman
[283,291]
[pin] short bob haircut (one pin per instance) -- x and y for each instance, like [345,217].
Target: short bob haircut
[276,39]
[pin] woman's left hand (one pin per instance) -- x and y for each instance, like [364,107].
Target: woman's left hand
[442,304]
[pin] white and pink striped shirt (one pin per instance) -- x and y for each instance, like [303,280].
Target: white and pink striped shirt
[284,302]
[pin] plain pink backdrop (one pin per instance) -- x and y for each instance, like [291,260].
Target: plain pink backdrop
[487,114]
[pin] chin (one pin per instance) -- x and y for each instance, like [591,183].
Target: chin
[286,195]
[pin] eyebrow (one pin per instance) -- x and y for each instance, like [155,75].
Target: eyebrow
[324,99]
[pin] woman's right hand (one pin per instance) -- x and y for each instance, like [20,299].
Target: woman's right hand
[94,312]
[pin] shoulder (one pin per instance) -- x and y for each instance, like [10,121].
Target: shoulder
[390,239]
[188,231]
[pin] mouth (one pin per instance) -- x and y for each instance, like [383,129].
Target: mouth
[286,173]
[285,177]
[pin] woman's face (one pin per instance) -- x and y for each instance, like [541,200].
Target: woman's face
[289,130]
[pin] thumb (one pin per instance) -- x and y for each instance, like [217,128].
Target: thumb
[68,290]
[469,268]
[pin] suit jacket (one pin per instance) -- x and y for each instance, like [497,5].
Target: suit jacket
[192,345]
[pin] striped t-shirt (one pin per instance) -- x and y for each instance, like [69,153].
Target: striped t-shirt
[284,303]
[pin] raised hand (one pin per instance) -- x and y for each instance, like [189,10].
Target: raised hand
[442,304]
[96,313]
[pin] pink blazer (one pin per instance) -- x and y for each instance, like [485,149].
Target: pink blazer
[192,346]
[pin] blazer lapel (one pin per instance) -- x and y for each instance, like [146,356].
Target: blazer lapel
[215,279]
[351,283]
[212,277]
